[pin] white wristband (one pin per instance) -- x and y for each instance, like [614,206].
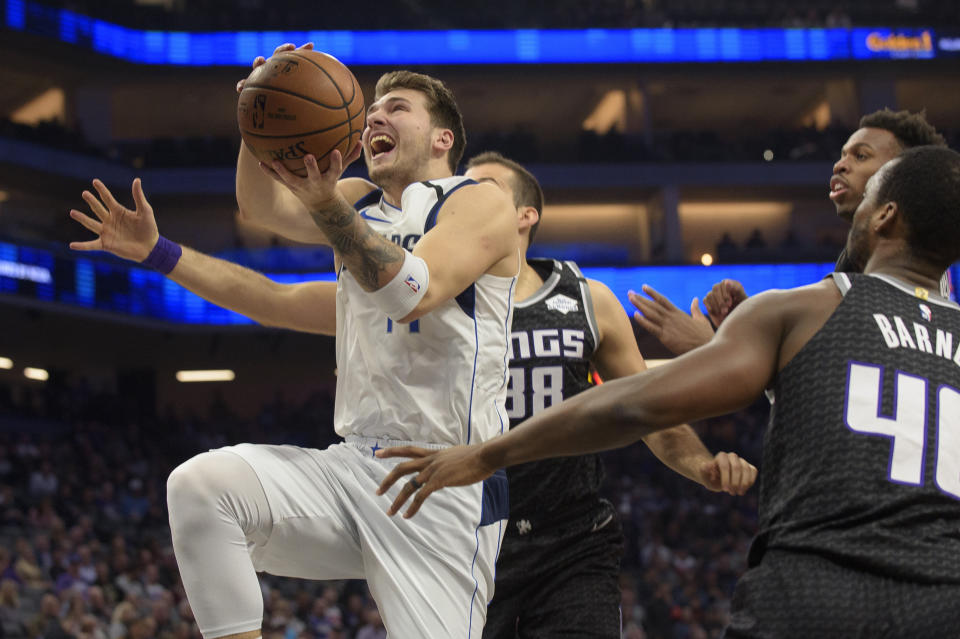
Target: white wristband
[402,294]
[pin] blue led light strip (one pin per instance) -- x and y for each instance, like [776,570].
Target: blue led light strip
[99,282]
[525,46]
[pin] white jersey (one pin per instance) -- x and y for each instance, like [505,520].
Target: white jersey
[441,379]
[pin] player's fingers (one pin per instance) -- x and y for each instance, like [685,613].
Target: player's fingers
[747,477]
[735,291]
[306,45]
[695,311]
[719,295]
[398,471]
[96,205]
[310,163]
[257,61]
[106,196]
[752,475]
[405,493]
[736,474]
[660,299]
[724,465]
[336,163]
[91,245]
[284,174]
[712,302]
[647,325]
[725,300]
[240,85]
[286,46]
[418,500]
[650,309]
[745,482]
[139,199]
[86,221]
[270,172]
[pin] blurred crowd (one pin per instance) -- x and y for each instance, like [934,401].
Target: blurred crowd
[780,145]
[500,14]
[85,550]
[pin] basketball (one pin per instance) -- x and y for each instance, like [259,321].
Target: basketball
[300,102]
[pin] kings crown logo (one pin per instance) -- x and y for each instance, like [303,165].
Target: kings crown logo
[562,304]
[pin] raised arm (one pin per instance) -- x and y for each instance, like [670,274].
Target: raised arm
[265,203]
[476,233]
[725,375]
[679,447]
[133,235]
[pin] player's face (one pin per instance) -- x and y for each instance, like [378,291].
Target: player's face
[864,153]
[860,240]
[495,173]
[397,139]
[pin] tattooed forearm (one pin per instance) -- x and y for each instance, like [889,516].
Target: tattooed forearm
[364,252]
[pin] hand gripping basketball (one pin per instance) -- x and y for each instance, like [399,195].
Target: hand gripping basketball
[299,102]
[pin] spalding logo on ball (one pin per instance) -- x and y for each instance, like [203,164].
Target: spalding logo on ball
[300,102]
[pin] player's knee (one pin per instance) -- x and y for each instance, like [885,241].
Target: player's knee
[191,487]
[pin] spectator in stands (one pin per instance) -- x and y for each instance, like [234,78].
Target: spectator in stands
[43,481]
[373,628]
[47,623]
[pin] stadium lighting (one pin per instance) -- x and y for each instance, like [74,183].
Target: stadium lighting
[6,363]
[38,374]
[222,375]
[706,259]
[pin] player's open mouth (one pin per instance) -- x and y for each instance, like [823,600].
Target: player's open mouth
[838,188]
[381,144]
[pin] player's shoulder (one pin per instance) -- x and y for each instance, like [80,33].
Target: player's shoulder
[604,299]
[783,311]
[481,195]
[355,189]
[825,287]
[599,288]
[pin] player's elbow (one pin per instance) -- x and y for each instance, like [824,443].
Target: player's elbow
[421,309]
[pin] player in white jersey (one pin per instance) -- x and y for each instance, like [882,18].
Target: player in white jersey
[421,310]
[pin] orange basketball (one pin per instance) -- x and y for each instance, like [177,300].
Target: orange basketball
[300,102]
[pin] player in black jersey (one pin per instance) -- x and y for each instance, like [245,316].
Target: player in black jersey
[559,565]
[882,136]
[860,481]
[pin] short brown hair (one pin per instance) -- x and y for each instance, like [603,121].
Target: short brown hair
[910,129]
[526,188]
[441,105]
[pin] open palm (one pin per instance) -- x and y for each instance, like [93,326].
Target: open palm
[125,233]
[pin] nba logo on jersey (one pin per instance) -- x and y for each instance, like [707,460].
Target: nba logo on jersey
[562,304]
[925,312]
[413,284]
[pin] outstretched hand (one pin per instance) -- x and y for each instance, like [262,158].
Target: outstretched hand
[675,329]
[435,469]
[729,473]
[725,296]
[125,233]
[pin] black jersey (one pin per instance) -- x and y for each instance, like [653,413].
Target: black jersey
[553,337]
[845,265]
[861,460]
